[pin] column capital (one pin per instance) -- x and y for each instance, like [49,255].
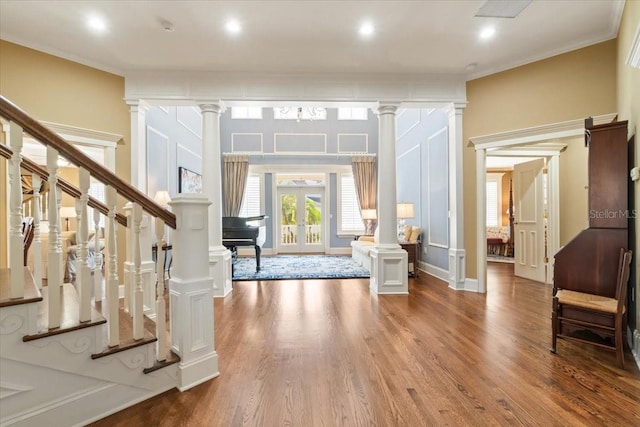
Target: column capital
[216,107]
[137,105]
[455,108]
[387,108]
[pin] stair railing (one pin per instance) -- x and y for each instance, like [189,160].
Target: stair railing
[20,123]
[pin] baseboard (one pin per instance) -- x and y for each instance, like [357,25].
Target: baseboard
[338,251]
[249,251]
[471,285]
[437,272]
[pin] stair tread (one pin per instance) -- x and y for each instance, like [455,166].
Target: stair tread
[126,334]
[170,360]
[69,314]
[31,291]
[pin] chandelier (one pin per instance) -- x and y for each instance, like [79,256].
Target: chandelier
[302,113]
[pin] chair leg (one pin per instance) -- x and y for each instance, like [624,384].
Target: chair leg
[554,325]
[619,341]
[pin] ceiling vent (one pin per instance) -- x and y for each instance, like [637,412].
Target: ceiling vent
[502,8]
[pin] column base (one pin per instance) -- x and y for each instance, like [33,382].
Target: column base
[220,270]
[389,271]
[457,269]
[198,371]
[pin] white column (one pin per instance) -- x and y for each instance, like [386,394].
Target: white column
[457,256]
[219,256]
[481,221]
[191,293]
[389,268]
[138,111]
[139,174]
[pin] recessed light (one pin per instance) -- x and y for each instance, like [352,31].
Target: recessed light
[487,33]
[233,27]
[97,24]
[366,29]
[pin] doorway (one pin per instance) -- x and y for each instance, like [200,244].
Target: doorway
[301,211]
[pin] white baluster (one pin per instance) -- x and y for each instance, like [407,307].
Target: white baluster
[55,254]
[161,323]
[129,268]
[113,299]
[83,272]
[61,268]
[97,269]
[16,255]
[138,307]
[36,246]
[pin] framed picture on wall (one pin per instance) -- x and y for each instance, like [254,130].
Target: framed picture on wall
[189,181]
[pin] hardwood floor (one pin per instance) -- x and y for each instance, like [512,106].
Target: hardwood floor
[328,353]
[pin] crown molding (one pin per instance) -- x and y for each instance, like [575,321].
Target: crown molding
[536,134]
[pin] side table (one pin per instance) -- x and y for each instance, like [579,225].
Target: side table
[412,249]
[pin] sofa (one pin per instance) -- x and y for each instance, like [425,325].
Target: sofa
[361,247]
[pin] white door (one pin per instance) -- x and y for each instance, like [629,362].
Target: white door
[528,224]
[301,221]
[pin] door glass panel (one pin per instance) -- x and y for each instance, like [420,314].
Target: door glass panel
[289,223]
[313,218]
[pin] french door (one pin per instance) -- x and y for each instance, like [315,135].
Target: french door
[301,222]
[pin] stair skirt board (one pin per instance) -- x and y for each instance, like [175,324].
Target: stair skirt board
[54,380]
[81,408]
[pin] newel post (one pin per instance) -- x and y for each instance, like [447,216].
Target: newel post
[191,293]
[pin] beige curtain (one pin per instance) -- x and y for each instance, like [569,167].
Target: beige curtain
[236,170]
[365,178]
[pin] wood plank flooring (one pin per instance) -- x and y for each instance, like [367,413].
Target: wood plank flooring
[328,353]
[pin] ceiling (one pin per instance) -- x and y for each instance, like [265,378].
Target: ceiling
[410,37]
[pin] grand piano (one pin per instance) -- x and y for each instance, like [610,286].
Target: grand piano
[237,231]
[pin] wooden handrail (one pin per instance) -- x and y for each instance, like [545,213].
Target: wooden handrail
[66,186]
[46,136]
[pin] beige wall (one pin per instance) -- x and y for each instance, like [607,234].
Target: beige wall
[571,86]
[506,178]
[629,107]
[60,91]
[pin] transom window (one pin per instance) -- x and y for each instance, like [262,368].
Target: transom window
[352,114]
[246,112]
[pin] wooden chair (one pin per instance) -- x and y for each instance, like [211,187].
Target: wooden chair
[576,313]
[27,235]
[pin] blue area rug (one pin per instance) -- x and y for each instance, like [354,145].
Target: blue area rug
[298,267]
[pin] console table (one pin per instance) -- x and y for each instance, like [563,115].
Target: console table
[412,249]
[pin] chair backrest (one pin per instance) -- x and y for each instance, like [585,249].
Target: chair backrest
[624,270]
[27,235]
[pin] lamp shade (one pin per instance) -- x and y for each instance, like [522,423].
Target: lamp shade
[405,210]
[162,198]
[368,214]
[67,212]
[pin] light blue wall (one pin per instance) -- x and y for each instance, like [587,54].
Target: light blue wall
[423,178]
[282,139]
[174,139]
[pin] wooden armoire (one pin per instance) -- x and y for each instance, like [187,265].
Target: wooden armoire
[589,262]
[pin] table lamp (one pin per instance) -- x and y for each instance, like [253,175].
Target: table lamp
[368,216]
[403,211]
